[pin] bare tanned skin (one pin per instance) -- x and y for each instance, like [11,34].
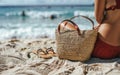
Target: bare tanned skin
[109,21]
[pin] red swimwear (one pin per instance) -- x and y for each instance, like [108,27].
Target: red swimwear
[117,6]
[104,50]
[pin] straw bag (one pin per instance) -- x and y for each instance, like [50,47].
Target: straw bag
[75,44]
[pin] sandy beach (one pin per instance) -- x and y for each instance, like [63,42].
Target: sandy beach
[14,60]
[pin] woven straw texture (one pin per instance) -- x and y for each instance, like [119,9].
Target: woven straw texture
[72,46]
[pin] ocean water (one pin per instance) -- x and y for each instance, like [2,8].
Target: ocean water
[37,21]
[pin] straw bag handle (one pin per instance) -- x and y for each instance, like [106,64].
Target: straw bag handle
[85,18]
[75,25]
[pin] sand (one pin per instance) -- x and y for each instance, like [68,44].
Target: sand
[14,60]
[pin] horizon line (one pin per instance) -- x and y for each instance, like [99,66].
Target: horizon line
[77,5]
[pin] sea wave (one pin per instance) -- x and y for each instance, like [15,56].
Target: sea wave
[28,32]
[47,14]
[36,14]
[85,13]
[31,31]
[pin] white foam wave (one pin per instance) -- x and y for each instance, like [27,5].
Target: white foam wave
[36,14]
[28,32]
[12,13]
[45,14]
[32,32]
[86,13]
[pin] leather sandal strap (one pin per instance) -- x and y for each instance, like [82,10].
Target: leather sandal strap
[40,50]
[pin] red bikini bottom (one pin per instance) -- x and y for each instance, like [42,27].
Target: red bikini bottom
[104,50]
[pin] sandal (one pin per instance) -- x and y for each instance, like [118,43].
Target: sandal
[51,51]
[42,54]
